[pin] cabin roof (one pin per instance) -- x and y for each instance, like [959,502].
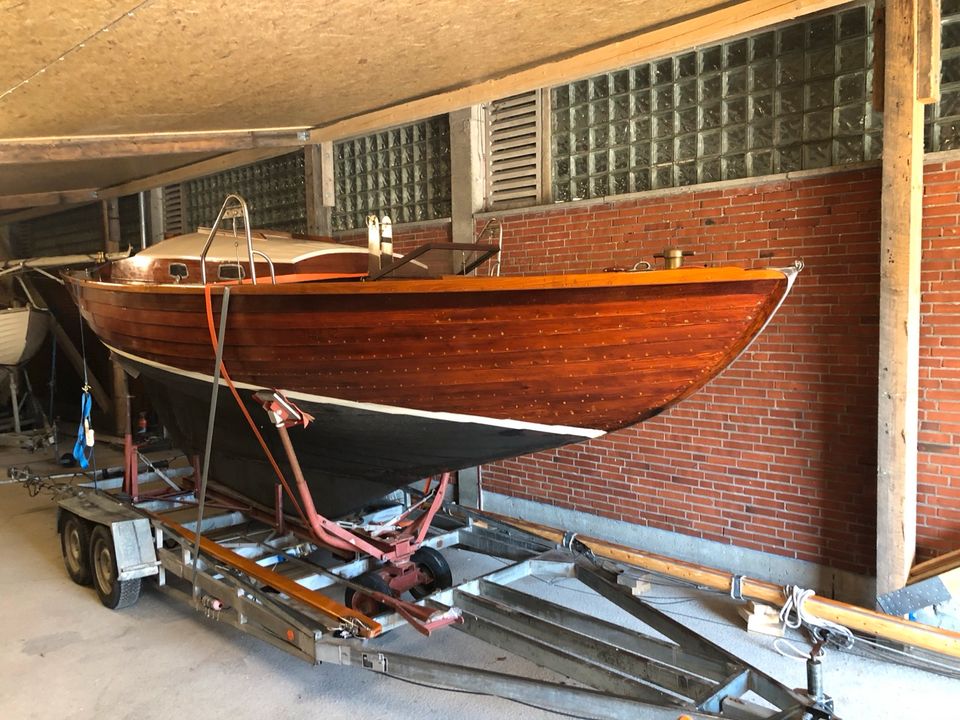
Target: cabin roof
[280,247]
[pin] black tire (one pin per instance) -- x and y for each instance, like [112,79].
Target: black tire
[363,603]
[113,593]
[431,563]
[75,547]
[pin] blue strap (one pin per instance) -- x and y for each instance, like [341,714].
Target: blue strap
[79,449]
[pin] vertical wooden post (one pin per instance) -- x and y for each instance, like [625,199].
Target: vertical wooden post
[318,177]
[467,171]
[155,227]
[111,242]
[928,58]
[900,224]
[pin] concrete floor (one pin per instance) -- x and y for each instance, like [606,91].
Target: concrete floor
[63,655]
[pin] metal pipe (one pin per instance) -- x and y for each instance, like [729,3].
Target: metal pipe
[211,420]
[143,221]
[309,509]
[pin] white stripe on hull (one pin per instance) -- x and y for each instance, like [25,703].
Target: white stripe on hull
[374,407]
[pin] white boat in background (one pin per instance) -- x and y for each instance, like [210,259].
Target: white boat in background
[22,331]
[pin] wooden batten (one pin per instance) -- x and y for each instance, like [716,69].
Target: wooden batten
[47,199]
[900,225]
[34,150]
[195,170]
[856,618]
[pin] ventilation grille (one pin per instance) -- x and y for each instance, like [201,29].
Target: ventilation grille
[172,210]
[513,137]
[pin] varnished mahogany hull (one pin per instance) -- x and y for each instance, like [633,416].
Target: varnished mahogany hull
[409,378]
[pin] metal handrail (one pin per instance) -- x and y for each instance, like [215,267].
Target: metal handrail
[213,232]
[273,274]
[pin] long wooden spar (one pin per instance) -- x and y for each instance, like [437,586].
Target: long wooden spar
[366,627]
[854,617]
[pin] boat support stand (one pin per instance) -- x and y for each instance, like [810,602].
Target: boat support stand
[397,543]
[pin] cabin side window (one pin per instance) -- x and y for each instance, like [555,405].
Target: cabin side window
[230,271]
[178,271]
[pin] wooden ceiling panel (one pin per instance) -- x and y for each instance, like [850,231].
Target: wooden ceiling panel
[34,34]
[201,65]
[93,79]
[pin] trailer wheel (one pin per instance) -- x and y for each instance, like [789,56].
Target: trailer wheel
[362,602]
[434,566]
[113,592]
[75,546]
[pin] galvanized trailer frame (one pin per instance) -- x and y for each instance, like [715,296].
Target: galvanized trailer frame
[618,673]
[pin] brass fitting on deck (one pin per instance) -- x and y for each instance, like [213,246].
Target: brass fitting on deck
[673,257]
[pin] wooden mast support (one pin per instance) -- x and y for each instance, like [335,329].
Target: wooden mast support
[856,618]
[900,226]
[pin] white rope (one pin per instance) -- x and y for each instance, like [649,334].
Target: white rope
[791,651]
[793,616]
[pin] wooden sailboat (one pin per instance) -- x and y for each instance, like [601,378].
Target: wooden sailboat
[410,377]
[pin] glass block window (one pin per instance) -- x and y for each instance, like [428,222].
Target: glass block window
[403,172]
[785,99]
[274,190]
[943,118]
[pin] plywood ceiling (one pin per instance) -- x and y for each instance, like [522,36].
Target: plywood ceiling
[105,67]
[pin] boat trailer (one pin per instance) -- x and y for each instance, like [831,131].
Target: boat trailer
[275,583]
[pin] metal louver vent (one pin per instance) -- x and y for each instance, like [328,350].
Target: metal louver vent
[514,141]
[172,210]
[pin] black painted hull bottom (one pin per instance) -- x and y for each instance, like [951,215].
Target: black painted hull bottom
[351,457]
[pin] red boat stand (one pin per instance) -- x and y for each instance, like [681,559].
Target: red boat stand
[408,565]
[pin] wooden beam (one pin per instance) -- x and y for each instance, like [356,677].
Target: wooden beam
[170,177]
[664,40]
[38,212]
[195,170]
[879,57]
[928,51]
[59,197]
[856,618]
[155,227]
[111,241]
[59,149]
[468,179]
[900,225]
[318,181]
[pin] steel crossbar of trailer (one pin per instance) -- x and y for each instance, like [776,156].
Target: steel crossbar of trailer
[269,583]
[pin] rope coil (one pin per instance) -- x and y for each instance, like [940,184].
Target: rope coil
[793,616]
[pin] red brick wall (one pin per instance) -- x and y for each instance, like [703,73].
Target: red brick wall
[938,525]
[779,453]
